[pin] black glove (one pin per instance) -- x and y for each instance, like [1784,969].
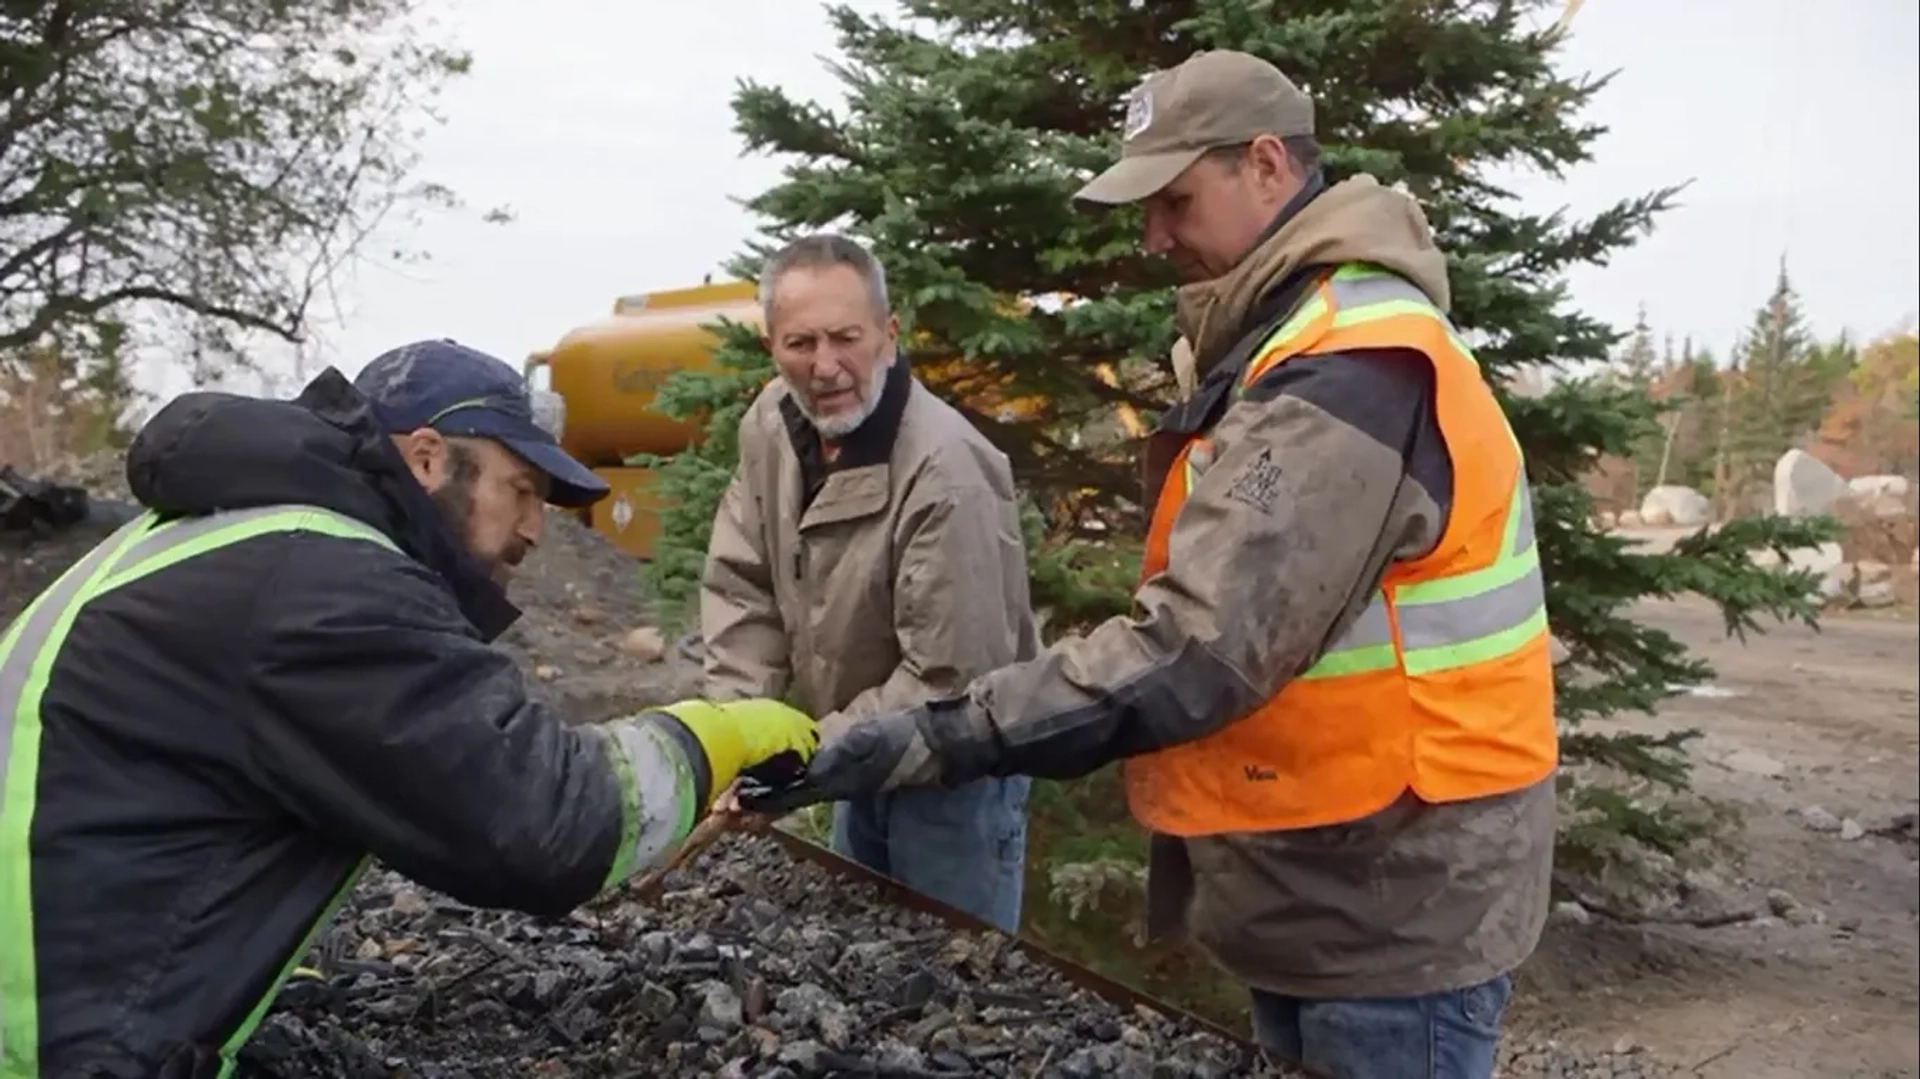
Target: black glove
[777,786]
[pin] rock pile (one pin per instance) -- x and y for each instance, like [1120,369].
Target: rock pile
[1625,1060]
[586,638]
[753,964]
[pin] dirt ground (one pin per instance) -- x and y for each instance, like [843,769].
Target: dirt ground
[1815,737]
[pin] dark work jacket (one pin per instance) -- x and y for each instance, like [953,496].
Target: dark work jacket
[225,740]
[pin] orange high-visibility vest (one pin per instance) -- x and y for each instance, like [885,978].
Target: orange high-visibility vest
[1443,685]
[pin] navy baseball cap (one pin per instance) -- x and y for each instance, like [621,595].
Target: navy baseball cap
[463,392]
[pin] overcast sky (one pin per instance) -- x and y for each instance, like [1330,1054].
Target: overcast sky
[605,126]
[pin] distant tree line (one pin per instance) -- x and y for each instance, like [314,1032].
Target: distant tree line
[1722,425]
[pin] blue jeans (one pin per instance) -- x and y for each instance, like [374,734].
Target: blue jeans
[966,847]
[1450,1035]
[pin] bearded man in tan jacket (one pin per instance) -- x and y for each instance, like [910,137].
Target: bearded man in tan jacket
[866,556]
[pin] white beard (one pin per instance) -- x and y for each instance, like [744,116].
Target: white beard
[841,424]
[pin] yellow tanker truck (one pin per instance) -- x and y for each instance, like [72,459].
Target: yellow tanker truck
[608,373]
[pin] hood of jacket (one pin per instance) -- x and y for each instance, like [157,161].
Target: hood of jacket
[210,451]
[1356,220]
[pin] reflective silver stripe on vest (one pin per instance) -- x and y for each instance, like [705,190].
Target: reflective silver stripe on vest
[1355,288]
[1473,617]
[1366,645]
[25,638]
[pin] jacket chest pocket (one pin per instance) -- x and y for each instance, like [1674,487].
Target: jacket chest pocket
[841,568]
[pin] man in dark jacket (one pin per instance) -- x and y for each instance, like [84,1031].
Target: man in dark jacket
[282,668]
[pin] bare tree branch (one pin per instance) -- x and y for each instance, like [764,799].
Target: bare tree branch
[216,161]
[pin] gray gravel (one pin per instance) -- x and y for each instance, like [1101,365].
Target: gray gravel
[753,966]
[1623,1061]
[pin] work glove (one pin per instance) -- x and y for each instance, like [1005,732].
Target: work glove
[761,737]
[868,756]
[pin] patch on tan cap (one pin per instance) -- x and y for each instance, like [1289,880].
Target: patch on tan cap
[1139,113]
[1212,99]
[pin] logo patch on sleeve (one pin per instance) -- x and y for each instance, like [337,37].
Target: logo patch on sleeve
[1258,484]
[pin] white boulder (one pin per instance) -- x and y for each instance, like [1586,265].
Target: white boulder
[1674,505]
[1881,496]
[1825,561]
[1803,485]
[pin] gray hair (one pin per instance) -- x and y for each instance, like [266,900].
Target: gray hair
[1302,150]
[819,251]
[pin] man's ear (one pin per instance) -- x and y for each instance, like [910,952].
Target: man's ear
[1271,164]
[425,452]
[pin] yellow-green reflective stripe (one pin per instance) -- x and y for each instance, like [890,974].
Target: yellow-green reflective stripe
[1472,617]
[1366,645]
[24,661]
[1518,558]
[27,653]
[178,541]
[1363,294]
[1479,650]
[1373,657]
[1297,323]
[1454,621]
[230,1051]
[1425,626]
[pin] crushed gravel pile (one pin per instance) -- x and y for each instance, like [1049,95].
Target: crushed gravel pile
[1553,1060]
[752,964]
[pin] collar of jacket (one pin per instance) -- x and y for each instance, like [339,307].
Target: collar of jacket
[871,443]
[412,519]
[1213,314]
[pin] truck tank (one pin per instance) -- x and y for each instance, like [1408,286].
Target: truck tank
[608,375]
[610,372]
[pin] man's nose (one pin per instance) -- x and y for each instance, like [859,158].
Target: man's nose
[532,526]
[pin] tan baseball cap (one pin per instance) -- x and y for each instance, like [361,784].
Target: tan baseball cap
[1214,99]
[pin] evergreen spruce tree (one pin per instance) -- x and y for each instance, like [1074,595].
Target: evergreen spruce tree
[1782,384]
[1638,368]
[971,121]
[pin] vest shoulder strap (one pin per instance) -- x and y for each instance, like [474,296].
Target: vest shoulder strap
[1355,293]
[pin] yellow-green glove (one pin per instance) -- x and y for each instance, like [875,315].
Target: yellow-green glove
[741,734]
